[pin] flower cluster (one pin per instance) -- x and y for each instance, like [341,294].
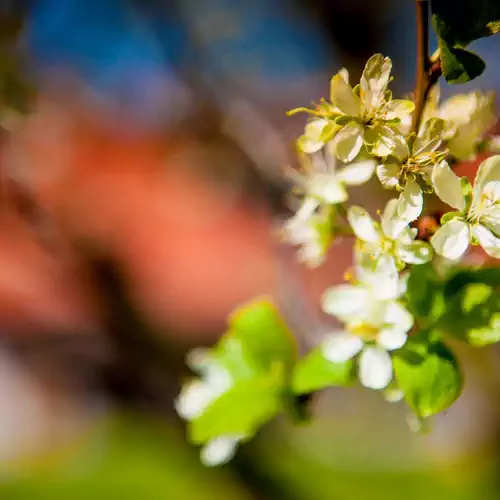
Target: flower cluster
[400,298]
[361,131]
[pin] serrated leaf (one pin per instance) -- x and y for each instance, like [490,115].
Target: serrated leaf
[266,337]
[240,411]
[315,372]
[428,374]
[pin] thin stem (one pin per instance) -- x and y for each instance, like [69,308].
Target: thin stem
[422,83]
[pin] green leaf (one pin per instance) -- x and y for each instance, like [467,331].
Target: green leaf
[428,374]
[239,411]
[473,314]
[457,24]
[460,65]
[425,294]
[460,22]
[266,337]
[231,353]
[487,275]
[315,372]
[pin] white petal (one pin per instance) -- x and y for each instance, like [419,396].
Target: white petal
[391,339]
[342,95]
[374,80]
[392,223]
[388,174]
[307,209]
[386,140]
[375,368]
[357,173]
[194,399]
[452,239]
[327,187]
[310,142]
[363,225]
[398,108]
[341,346]
[348,141]
[410,202]
[429,136]
[489,242]
[488,171]
[219,451]
[447,185]
[396,316]
[459,108]
[383,280]
[346,301]
[414,252]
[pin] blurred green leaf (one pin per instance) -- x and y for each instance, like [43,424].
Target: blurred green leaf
[315,372]
[425,294]
[473,314]
[428,374]
[240,411]
[266,337]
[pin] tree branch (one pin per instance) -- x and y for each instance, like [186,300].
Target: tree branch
[428,72]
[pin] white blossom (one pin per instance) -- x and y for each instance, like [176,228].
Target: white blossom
[410,165]
[375,321]
[392,237]
[355,117]
[468,117]
[322,180]
[477,219]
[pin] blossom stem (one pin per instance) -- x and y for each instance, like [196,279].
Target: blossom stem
[428,71]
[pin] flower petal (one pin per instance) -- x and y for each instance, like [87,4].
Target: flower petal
[414,252]
[383,280]
[388,174]
[397,317]
[348,141]
[219,450]
[410,201]
[363,225]
[375,368]
[398,108]
[346,301]
[392,223]
[488,171]
[447,185]
[452,239]
[384,140]
[342,96]
[310,142]
[326,187]
[374,81]
[391,338]
[194,399]
[340,347]
[489,242]
[429,136]
[357,173]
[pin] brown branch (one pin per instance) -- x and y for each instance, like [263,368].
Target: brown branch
[428,72]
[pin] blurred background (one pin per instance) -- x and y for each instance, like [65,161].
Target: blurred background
[141,150]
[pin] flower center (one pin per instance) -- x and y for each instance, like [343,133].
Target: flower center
[364,330]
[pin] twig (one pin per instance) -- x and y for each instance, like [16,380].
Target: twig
[428,71]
